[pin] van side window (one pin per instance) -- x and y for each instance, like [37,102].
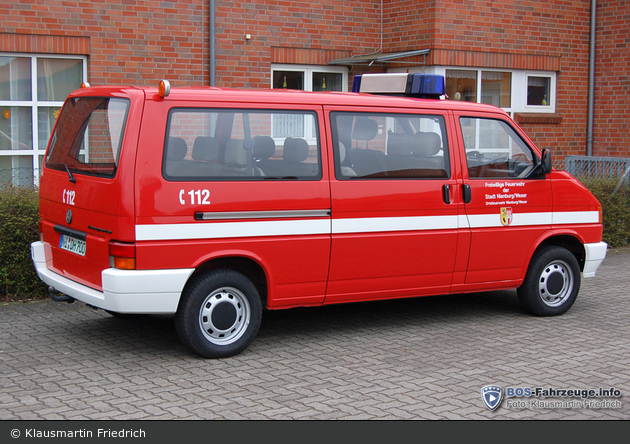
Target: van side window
[221,144]
[494,149]
[389,146]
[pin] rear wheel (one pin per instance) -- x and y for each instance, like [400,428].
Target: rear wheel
[552,282]
[219,314]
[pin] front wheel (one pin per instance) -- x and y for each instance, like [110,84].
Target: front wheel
[219,314]
[552,282]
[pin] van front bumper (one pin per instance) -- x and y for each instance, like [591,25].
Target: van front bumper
[124,291]
[595,254]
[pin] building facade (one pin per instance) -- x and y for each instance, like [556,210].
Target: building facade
[530,58]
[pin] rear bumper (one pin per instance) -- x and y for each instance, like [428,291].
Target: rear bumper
[124,291]
[595,254]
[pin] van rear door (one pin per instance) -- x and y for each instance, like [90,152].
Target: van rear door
[86,187]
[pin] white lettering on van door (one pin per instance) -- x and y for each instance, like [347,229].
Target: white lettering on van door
[197,197]
[506,196]
[68,197]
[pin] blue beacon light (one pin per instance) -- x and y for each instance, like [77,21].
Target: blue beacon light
[428,86]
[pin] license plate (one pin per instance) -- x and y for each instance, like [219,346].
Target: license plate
[71,244]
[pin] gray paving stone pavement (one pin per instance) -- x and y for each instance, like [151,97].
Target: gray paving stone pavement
[423,358]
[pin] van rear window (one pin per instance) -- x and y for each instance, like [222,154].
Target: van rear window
[242,144]
[88,136]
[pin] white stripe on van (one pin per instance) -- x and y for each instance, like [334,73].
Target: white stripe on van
[305,227]
[380,224]
[576,217]
[220,230]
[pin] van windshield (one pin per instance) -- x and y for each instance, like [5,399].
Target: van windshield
[88,136]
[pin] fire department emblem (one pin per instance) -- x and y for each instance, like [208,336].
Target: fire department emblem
[492,396]
[506,216]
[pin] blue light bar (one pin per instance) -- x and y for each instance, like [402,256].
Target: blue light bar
[428,86]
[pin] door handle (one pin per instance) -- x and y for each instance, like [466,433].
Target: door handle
[466,193]
[445,193]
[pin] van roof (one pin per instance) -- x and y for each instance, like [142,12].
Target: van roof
[285,96]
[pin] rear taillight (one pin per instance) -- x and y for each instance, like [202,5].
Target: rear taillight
[122,255]
[601,218]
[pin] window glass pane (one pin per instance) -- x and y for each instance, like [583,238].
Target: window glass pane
[288,79]
[46,117]
[495,88]
[88,136]
[494,149]
[538,91]
[288,125]
[16,131]
[238,145]
[461,84]
[327,81]
[15,78]
[56,78]
[390,146]
[16,170]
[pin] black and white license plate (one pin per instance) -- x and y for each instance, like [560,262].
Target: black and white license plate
[71,244]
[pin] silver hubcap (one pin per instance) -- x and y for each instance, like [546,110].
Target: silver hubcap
[224,316]
[556,283]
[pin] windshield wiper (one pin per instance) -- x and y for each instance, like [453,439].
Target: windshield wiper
[71,177]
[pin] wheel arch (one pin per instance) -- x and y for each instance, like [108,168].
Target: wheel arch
[566,240]
[249,267]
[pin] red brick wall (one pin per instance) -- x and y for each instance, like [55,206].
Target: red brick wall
[612,85]
[129,42]
[132,42]
[515,34]
[409,25]
[321,27]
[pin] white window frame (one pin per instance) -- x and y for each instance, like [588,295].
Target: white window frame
[36,154]
[552,92]
[518,92]
[308,71]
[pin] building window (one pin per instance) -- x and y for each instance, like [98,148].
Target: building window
[538,90]
[305,78]
[32,91]
[513,91]
[309,77]
[461,84]
[495,86]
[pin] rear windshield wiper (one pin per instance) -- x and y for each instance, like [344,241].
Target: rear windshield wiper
[71,177]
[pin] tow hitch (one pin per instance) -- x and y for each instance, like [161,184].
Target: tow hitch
[61,298]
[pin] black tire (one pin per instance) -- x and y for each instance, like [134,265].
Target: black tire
[219,314]
[552,282]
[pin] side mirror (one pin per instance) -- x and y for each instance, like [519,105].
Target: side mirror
[546,161]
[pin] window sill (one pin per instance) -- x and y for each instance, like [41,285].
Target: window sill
[540,118]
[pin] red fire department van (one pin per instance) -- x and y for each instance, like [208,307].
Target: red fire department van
[211,204]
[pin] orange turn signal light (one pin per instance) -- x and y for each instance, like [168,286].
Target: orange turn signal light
[122,255]
[164,88]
